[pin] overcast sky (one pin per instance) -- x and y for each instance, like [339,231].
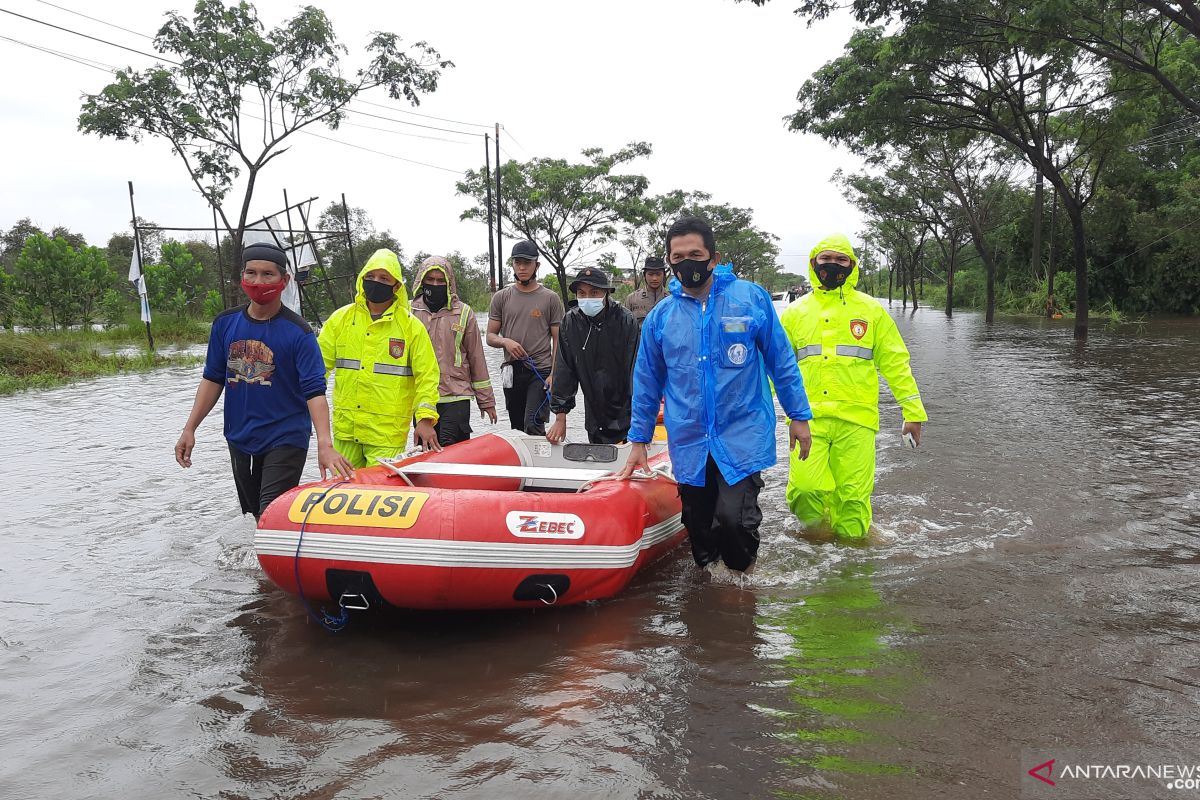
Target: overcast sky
[706,82]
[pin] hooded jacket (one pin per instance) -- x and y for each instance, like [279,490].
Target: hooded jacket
[843,340]
[596,353]
[386,369]
[710,361]
[454,332]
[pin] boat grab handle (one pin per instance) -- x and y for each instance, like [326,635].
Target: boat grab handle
[344,602]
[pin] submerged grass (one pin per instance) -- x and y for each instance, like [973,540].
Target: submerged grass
[33,361]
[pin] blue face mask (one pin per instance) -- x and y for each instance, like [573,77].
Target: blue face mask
[591,305]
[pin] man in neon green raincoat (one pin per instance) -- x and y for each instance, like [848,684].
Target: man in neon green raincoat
[844,340]
[386,370]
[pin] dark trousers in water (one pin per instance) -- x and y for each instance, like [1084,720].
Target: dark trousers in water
[262,478]
[722,520]
[528,408]
[454,422]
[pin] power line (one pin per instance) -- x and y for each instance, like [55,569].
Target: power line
[111,70]
[517,143]
[93,38]
[1156,241]
[426,116]
[414,124]
[402,133]
[67,56]
[377,152]
[94,19]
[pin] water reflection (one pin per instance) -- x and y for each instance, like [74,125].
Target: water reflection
[843,676]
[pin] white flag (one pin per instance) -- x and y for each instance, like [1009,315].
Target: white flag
[135,266]
[144,301]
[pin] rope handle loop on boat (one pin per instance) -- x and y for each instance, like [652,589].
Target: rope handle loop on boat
[657,471]
[327,621]
[553,591]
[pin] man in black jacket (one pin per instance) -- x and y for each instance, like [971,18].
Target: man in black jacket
[597,344]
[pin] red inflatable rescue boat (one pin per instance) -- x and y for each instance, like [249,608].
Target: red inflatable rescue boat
[500,521]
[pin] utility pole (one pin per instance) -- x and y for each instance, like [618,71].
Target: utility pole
[487,181]
[499,218]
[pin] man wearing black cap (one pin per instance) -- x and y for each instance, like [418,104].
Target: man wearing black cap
[596,350]
[641,301]
[266,360]
[524,319]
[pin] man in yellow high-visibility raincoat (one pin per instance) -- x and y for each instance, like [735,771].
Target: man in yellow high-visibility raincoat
[843,340]
[386,370]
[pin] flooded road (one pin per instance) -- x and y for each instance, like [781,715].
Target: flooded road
[1033,585]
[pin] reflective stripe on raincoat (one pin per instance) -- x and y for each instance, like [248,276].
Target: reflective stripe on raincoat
[386,370]
[710,362]
[457,342]
[840,338]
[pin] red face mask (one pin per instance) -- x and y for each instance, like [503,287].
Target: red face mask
[263,293]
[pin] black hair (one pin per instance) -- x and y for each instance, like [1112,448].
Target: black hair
[685,225]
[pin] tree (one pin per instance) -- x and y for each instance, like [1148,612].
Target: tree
[176,283]
[12,241]
[570,211]
[646,235]
[335,252]
[54,281]
[227,69]
[1156,39]
[754,253]
[944,73]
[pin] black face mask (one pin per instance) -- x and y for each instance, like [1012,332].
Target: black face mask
[832,275]
[692,273]
[435,296]
[378,291]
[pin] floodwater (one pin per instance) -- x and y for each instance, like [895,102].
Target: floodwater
[1033,585]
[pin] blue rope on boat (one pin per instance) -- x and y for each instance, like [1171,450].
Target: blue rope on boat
[328,621]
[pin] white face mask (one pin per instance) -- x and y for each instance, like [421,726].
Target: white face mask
[591,305]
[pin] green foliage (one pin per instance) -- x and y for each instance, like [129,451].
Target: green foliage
[58,286]
[240,91]
[213,304]
[570,210]
[176,283]
[33,362]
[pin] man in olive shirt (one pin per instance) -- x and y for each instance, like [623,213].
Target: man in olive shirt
[523,319]
[641,301]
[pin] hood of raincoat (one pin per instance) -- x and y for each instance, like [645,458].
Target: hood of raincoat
[383,259]
[838,243]
[436,262]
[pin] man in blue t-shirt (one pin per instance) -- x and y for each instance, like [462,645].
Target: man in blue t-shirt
[267,361]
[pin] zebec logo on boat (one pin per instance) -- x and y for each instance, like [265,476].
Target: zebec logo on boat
[544,525]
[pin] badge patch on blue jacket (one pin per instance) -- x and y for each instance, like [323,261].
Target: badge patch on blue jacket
[737,353]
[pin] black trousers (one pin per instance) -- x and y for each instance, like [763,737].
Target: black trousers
[262,478]
[607,436]
[528,408]
[722,520]
[454,422]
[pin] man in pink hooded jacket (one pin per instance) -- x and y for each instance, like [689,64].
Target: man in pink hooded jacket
[458,345]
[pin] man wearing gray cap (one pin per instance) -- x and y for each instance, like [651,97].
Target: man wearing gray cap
[523,319]
[596,350]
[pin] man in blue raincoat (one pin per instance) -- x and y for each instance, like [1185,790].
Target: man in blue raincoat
[707,350]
